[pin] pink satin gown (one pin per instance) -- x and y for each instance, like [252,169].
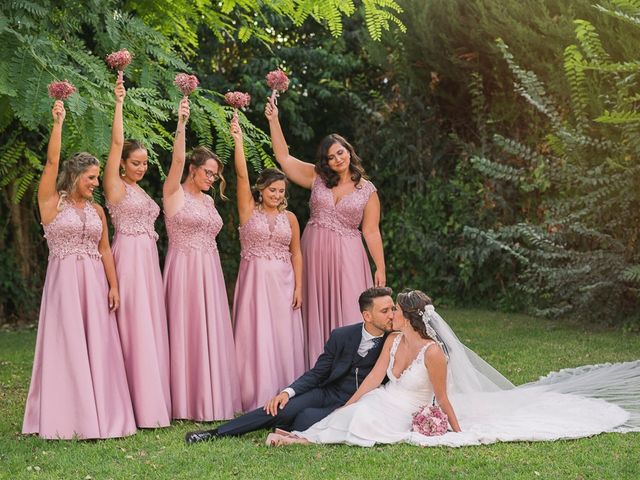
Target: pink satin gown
[268,331]
[142,320]
[336,268]
[78,385]
[204,379]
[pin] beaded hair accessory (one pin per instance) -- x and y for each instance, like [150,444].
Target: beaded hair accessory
[426,314]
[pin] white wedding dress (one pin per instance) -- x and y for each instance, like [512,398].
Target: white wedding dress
[565,404]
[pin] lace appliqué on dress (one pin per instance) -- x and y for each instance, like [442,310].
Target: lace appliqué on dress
[343,217]
[135,214]
[195,225]
[74,232]
[261,238]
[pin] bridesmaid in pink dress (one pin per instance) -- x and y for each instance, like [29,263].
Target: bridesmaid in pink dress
[142,320]
[266,306]
[204,380]
[78,385]
[336,267]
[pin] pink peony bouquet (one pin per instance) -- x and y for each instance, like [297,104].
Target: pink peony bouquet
[119,60]
[430,420]
[186,83]
[61,90]
[278,82]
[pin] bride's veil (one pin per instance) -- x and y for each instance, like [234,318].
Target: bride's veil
[467,372]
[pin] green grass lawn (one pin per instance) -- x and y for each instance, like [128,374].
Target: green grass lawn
[521,347]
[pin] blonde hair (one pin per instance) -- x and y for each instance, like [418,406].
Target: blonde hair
[72,170]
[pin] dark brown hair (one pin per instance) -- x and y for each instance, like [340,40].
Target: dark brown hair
[131,146]
[198,157]
[266,178]
[328,176]
[412,303]
[366,298]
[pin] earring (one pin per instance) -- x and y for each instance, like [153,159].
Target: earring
[260,198]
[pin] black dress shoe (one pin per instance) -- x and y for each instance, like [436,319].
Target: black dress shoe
[200,436]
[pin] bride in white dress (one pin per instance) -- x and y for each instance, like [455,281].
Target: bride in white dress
[425,360]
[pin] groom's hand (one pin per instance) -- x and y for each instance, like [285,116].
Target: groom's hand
[277,402]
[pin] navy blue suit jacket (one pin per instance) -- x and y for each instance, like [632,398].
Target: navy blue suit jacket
[334,362]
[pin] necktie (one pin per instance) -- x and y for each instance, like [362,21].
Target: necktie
[376,342]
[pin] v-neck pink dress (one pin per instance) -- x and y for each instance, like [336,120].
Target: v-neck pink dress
[336,268]
[268,331]
[78,385]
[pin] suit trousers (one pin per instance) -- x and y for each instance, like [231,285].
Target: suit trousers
[299,413]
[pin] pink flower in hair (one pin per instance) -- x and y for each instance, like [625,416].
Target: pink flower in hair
[186,83]
[61,90]
[430,420]
[119,60]
[237,99]
[277,81]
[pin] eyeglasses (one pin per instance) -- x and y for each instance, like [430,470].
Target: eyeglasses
[211,175]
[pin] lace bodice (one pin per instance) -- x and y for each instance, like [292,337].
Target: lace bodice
[266,237]
[343,217]
[135,214]
[415,377]
[74,231]
[195,225]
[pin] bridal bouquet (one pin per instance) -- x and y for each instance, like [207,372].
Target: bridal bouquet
[277,81]
[61,90]
[119,60]
[430,420]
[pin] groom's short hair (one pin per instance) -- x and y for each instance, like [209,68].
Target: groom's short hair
[366,298]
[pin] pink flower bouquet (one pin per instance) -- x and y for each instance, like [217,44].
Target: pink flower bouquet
[119,60]
[186,83]
[278,82]
[61,90]
[430,420]
[237,100]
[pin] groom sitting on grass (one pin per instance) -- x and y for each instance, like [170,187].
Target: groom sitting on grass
[348,357]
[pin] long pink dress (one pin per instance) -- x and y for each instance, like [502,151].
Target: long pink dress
[142,320]
[78,385]
[204,380]
[336,268]
[268,331]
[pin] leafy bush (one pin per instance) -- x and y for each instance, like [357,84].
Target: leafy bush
[583,258]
